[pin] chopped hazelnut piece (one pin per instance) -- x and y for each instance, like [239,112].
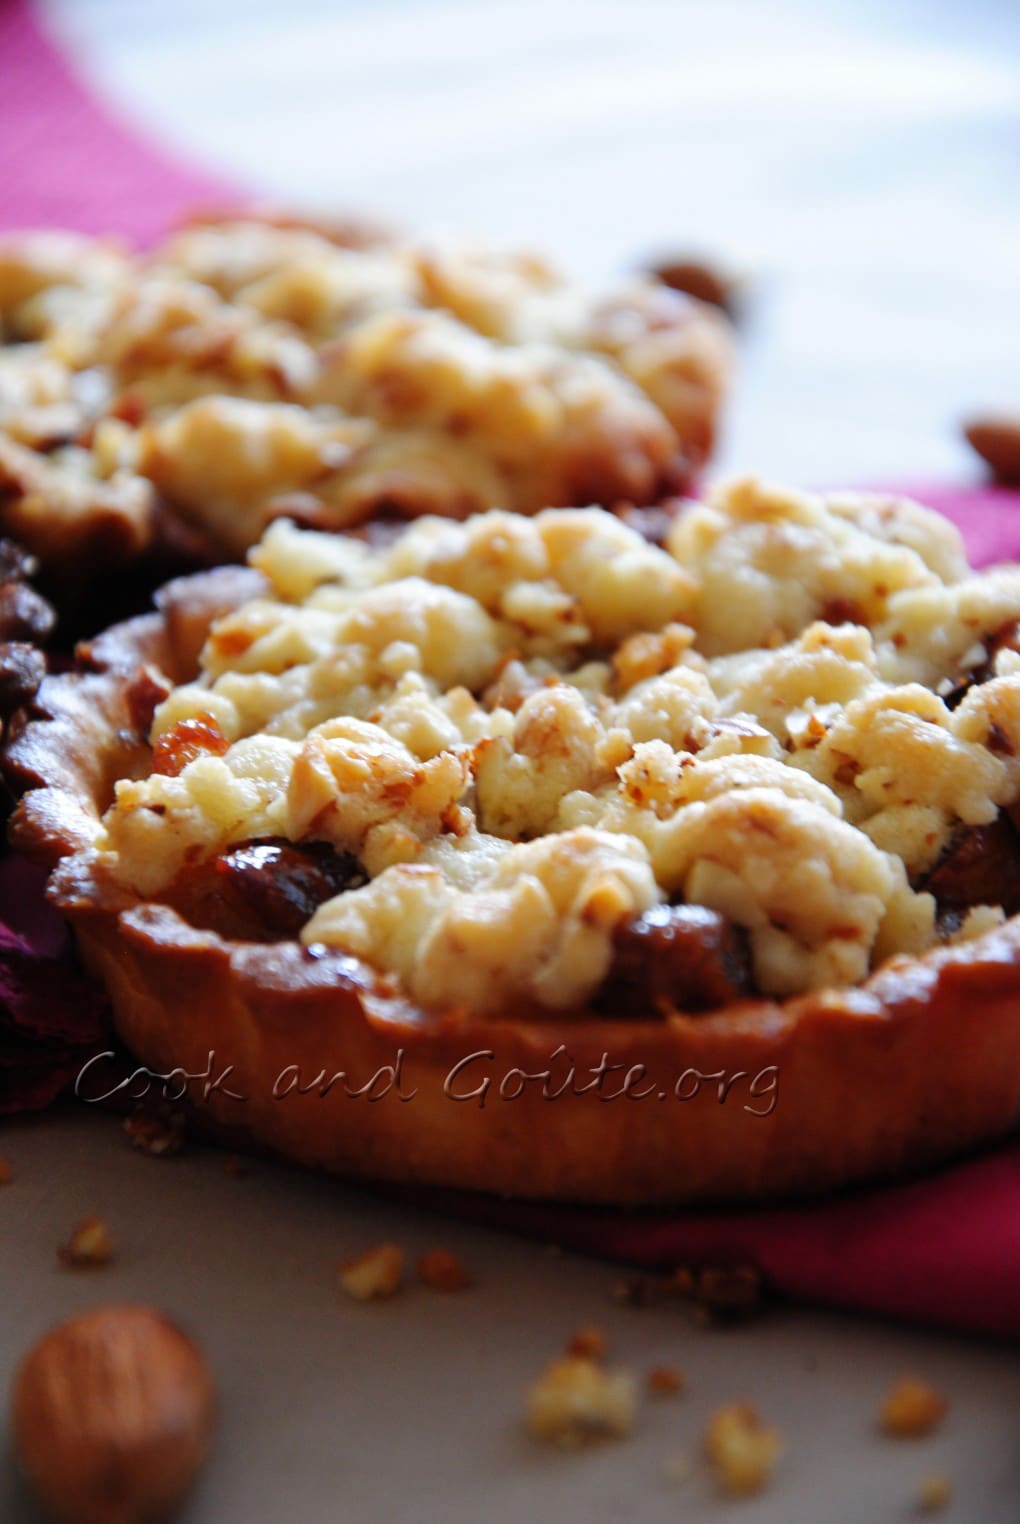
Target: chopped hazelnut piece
[935,1492]
[742,1450]
[442,1271]
[912,1409]
[160,1137]
[376,1274]
[90,1245]
[576,1400]
[6,1173]
[664,1381]
[589,1343]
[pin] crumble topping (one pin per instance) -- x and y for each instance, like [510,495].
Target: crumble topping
[526,735]
[249,369]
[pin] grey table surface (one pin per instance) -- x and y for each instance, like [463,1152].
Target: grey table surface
[861,162]
[411,1410]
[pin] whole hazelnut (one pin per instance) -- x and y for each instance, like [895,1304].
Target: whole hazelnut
[112,1414]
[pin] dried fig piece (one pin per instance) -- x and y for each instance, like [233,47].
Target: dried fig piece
[264,891]
[685,956]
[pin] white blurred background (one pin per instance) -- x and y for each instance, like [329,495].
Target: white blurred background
[860,161]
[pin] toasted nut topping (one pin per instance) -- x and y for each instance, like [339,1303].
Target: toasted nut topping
[442,1271]
[912,1409]
[374,1275]
[112,1415]
[161,1137]
[665,1381]
[577,1400]
[742,1450]
[935,1492]
[589,1343]
[90,1245]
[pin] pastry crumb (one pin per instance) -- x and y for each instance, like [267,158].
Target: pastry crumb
[741,1449]
[636,1291]
[665,1381]
[934,1493]
[374,1275]
[912,1409]
[678,1467]
[234,1166]
[442,1271]
[588,1343]
[577,1400]
[89,1246]
[6,1173]
[161,1137]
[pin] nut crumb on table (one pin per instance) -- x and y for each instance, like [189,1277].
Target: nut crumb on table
[665,1381]
[161,1137]
[374,1275]
[577,1400]
[935,1493]
[89,1246]
[589,1343]
[912,1409]
[443,1271]
[741,1449]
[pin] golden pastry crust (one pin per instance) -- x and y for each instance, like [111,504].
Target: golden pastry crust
[250,367]
[853,1067]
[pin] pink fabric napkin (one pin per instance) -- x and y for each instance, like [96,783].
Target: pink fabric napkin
[945,1249]
[65,158]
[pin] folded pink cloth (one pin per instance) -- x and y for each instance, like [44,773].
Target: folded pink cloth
[945,1249]
[65,158]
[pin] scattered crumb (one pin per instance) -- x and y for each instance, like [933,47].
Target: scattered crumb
[158,1136]
[742,1450]
[576,1400]
[721,1293]
[90,1245]
[912,1409]
[376,1274]
[730,1293]
[678,1467]
[442,1271]
[6,1173]
[636,1291]
[235,1166]
[935,1492]
[589,1343]
[665,1381]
